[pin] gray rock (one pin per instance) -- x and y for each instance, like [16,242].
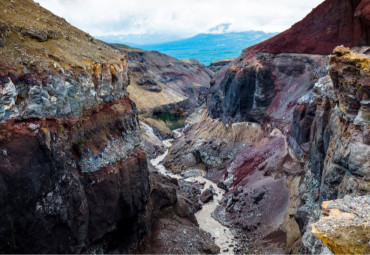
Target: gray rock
[207,195]
[41,36]
[33,127]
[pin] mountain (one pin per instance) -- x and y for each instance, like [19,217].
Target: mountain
[209,47]
[140,39]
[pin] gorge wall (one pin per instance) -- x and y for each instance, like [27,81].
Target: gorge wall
[71,168]
[159,82]
[308,142]
[74,176]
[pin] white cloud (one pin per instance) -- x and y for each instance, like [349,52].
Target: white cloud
[178,17]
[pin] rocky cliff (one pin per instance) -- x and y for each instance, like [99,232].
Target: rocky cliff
[71,170]
[73,174]
[338,162]
[345,227]
[309,140]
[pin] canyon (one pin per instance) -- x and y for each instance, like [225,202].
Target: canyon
[110,149]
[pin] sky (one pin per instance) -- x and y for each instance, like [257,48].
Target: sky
[179,18]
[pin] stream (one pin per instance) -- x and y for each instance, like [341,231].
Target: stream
[222,235]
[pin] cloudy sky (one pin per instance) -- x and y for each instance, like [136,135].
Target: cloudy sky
[178,18]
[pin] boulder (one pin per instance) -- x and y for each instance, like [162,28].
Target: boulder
[207,195]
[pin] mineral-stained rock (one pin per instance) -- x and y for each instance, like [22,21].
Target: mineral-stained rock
[58,194]
[345,228]
[72,171]
[350,73]
[264,87]
[339,149]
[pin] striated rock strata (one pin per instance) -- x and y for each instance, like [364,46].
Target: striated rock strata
[71,169]
[73,173]
[339,140]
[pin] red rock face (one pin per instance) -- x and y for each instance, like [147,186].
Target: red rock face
[332,23]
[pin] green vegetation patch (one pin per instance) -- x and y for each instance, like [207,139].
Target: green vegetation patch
[172,121]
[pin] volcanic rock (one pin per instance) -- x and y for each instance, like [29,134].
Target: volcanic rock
[329,25]
[345,225]
[313,117]
[72,171]
[207,195]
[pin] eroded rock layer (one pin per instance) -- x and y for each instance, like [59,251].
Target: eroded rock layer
[71,169]
[339,140]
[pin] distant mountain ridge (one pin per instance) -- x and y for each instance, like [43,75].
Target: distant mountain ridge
[208,47]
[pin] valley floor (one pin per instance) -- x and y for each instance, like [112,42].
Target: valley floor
[222,235]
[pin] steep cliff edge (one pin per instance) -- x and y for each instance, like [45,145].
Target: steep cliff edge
[71,169]
[339,146]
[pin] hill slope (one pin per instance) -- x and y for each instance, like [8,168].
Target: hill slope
[331,23]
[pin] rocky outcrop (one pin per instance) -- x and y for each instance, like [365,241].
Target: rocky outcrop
[174,229]
[208,143]
[345,225]
[338,144]
[72,172]
[332,23]
[265,87]
[351,80]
